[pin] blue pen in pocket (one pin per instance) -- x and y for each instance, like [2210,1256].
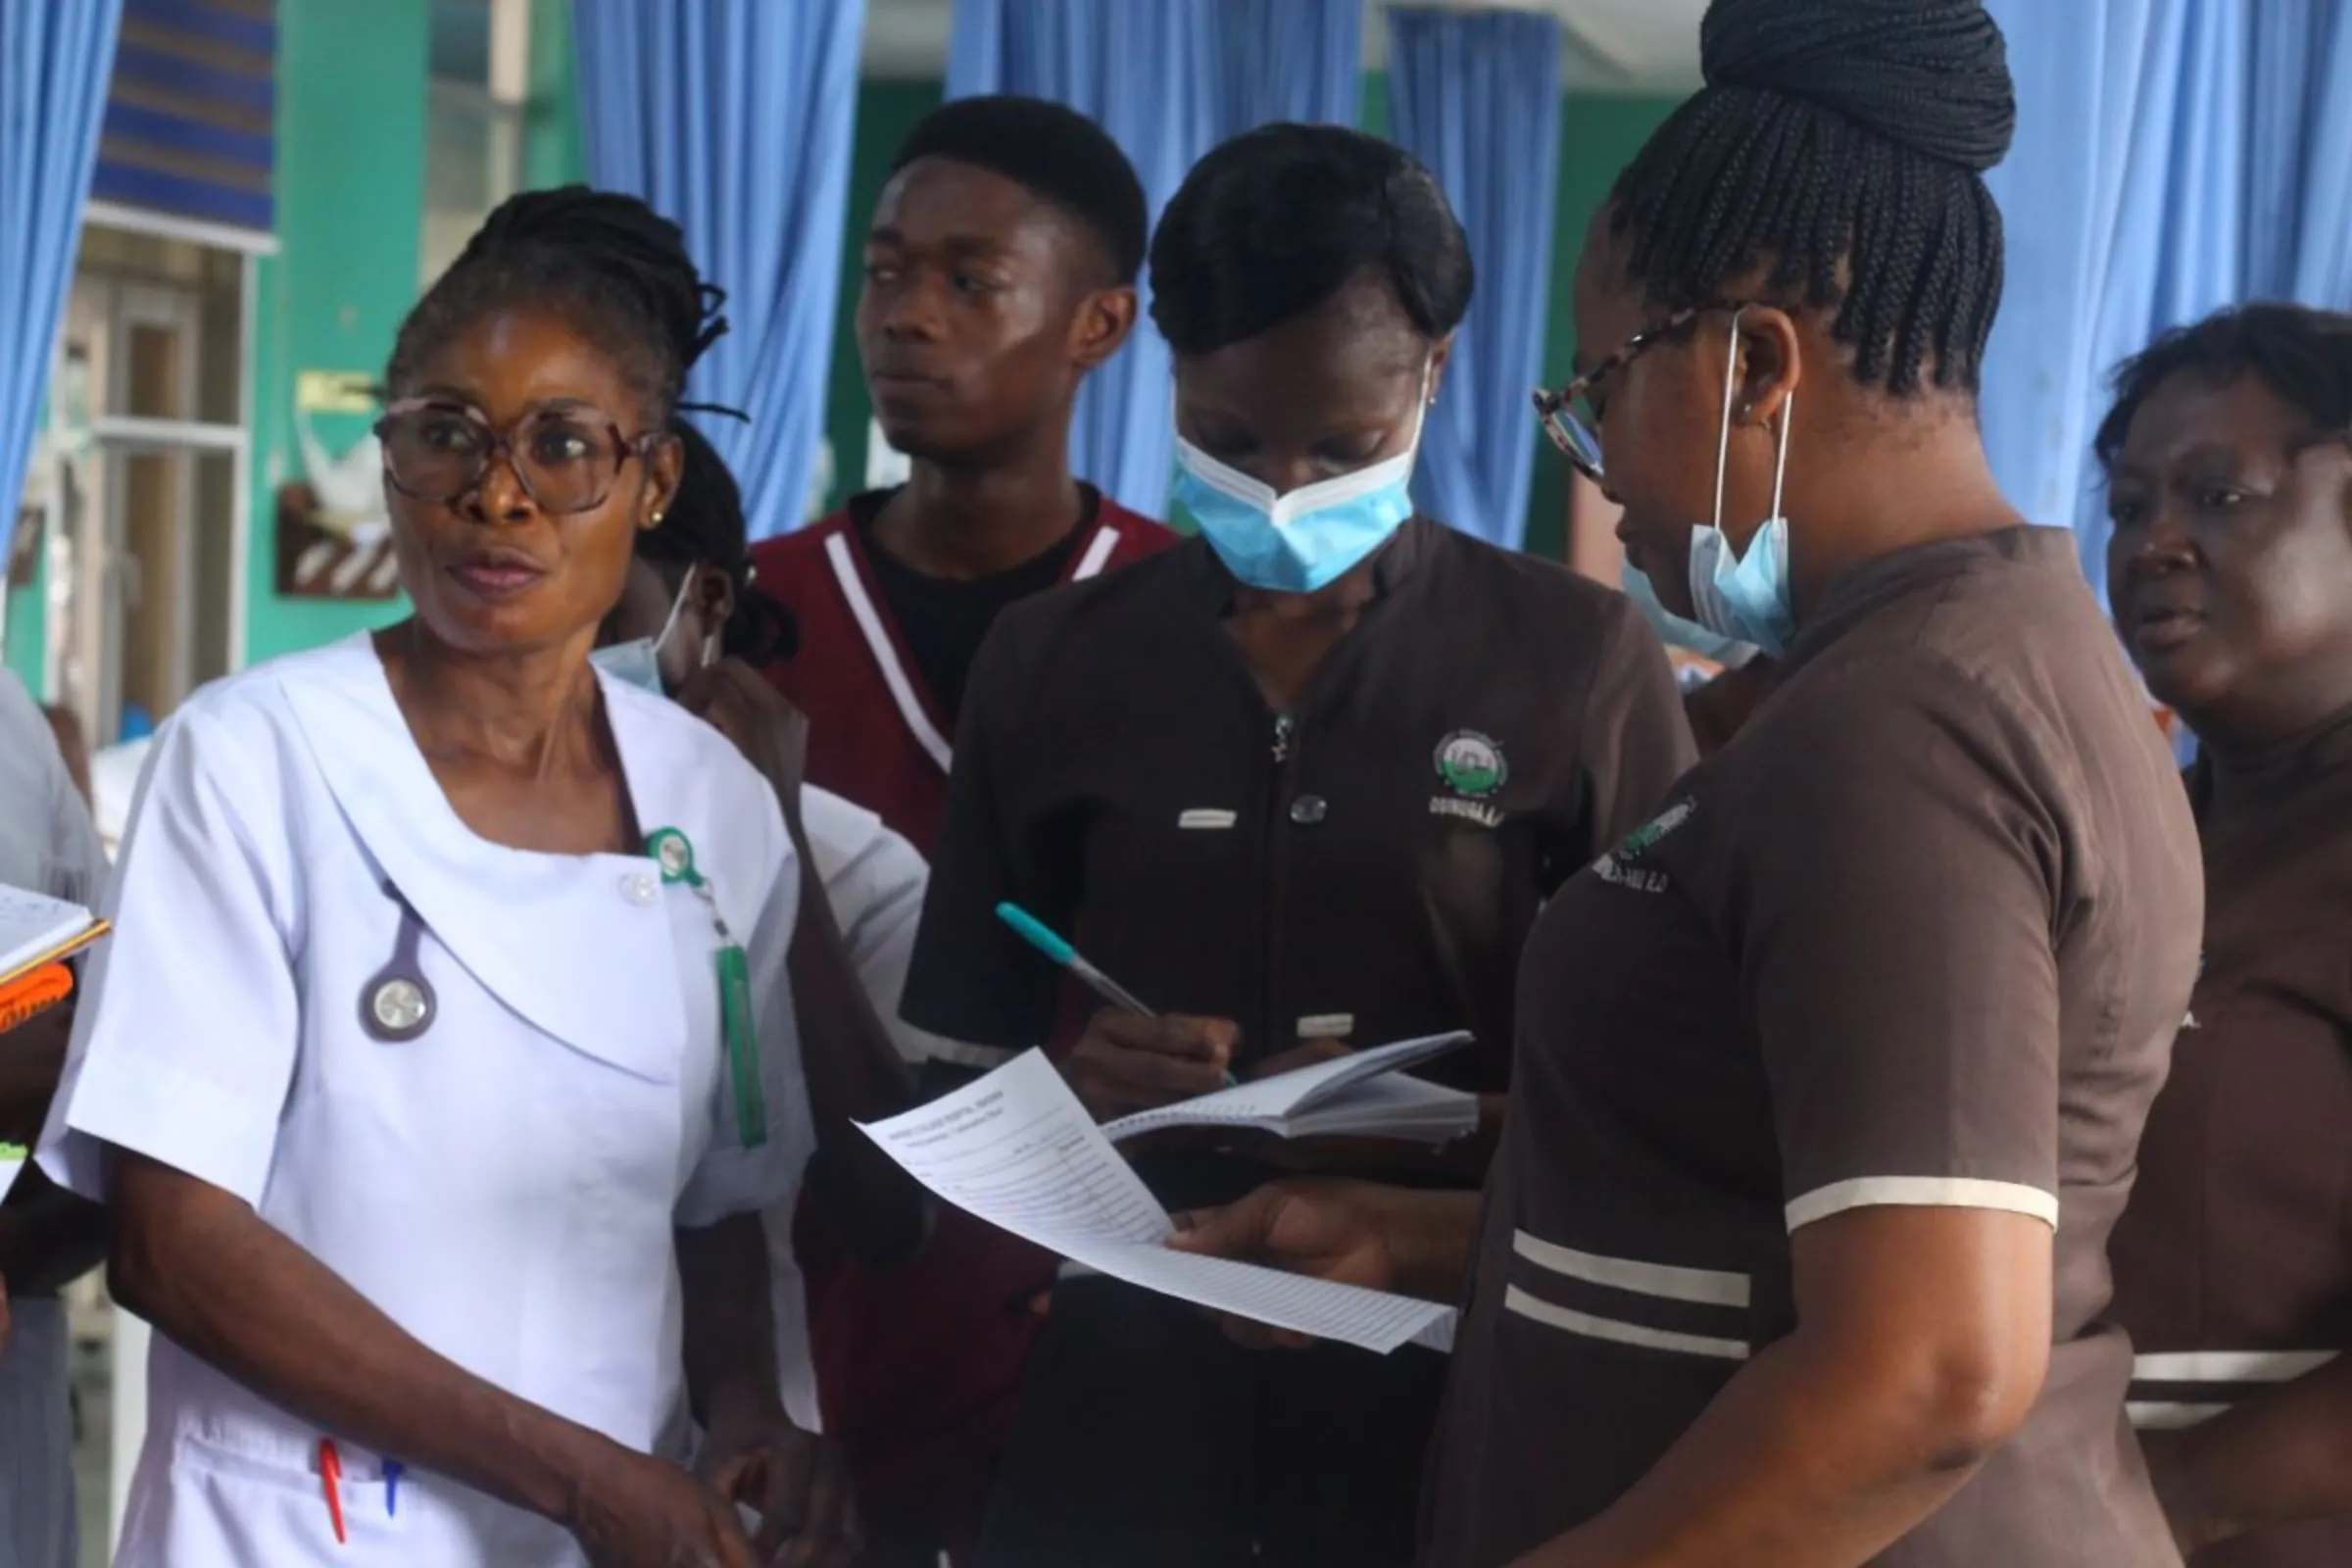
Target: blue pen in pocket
[1038,935]
[392,1474]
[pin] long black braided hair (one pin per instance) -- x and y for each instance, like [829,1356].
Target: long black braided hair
[1844,142]
[612,265]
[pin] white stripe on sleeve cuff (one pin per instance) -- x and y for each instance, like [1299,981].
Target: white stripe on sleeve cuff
[1922,1192]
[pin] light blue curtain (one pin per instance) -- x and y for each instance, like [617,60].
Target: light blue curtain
[2299,219]
[1476,96]
[1168,79]
[1289,59]
[54,60]
[2172,157]
[733,117]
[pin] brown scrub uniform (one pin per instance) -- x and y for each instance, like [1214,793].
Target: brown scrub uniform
[2234,1263]
[1921,935]
[1366,868]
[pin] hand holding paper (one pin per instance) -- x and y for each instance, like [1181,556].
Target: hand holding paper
[1017,1150]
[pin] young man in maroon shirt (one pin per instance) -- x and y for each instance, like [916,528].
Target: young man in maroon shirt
[1000,271]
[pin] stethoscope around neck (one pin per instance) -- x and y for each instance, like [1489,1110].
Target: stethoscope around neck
[396,1003]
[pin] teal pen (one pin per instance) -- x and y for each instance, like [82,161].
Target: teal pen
[1038,935]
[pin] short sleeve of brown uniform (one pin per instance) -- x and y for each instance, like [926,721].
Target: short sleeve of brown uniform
[1896,944]
[1637,739]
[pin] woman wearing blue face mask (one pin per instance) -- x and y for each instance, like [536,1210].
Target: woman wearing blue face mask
[1300,784]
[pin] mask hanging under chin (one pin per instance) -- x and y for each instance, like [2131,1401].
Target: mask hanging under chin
[638,661]
[1301,540]
[1744,594]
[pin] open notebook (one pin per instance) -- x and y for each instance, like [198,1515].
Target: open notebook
[1017,1149]
[1362,1094]
[37,929]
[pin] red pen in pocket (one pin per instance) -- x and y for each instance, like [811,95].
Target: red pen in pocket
[330,1478]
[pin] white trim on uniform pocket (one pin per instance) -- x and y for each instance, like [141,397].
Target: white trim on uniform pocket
[961,1054]
[1922,1192]
[1535,1307]
[2164,1418]
[2229,1366]
[1705,1285]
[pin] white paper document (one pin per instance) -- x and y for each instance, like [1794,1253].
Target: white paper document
[12,1165]
[1360,1094]
[1018,1149]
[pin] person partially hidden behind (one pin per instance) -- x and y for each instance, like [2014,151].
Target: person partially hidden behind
[999,272]
[691,622]
[2229,460]
[1831,1076]
[48,1237]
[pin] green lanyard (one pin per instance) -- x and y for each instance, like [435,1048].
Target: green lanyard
[675,853]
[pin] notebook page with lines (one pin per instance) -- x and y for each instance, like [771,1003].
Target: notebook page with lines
[1018,1149]
[1355,1094]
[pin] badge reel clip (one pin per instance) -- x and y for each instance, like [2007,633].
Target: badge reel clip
[397,1005]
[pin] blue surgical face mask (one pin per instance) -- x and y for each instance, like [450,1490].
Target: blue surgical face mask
[638,661]
[1676,632]
[1745,596]
[1311,537]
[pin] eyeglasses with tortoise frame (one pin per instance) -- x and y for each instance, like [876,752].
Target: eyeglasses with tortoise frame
[1568,416]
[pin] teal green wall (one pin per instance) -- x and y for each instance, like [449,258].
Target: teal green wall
[551,153]
[24,647]
[350,121]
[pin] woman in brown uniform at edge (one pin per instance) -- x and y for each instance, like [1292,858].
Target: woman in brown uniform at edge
[2229,460]
[1830,1078]
[1294,784]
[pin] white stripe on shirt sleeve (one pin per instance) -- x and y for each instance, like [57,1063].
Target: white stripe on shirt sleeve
[1922,1192]
[2229,1366]
[1708,1287]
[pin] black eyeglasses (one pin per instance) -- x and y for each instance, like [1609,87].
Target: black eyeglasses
[566,459]
[1568,415]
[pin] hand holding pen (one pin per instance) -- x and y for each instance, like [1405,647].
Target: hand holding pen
[1131,1059]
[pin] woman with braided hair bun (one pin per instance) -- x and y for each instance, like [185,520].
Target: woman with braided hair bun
[445,1064]
[1830,1078]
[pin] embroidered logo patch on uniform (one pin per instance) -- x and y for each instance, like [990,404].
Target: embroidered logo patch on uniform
[1621,866]
[1472,765]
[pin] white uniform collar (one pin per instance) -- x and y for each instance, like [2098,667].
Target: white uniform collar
[574,944]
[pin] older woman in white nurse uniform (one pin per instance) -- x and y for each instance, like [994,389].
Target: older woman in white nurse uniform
[442,1063]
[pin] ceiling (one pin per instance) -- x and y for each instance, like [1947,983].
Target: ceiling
[1628,46]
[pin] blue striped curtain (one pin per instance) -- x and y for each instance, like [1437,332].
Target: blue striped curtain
[1288,59]
[1168,80]
[189,119]
[733,117]
[1476,96]
[55,59]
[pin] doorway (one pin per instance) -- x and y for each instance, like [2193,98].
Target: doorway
[146,562]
